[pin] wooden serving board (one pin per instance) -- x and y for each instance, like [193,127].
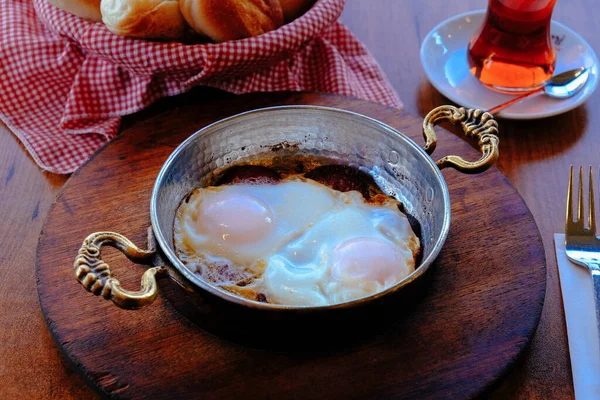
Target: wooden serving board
[482,306]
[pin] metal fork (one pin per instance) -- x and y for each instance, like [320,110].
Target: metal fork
[582,245]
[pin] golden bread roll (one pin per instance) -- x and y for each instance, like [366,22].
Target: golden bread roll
[223,20]
[88,9]
[292,9]
[150,19]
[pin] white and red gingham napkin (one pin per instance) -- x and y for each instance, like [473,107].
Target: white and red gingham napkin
[66,82]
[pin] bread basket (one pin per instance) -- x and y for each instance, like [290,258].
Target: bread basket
[170,68]
[95,77]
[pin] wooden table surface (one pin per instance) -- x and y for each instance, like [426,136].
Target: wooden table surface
[535,157]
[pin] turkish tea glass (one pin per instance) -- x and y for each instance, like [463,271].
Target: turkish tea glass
[512,51]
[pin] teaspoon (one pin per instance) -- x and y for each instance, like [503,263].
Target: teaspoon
[560,86]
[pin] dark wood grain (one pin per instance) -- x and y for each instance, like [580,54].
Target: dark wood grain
[29,361]
[483,301]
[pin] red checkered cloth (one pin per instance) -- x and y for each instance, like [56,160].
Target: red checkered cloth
[66,82]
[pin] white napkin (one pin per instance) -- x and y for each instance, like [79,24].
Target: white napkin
[580,312]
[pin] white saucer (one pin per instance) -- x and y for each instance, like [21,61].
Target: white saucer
[444,58]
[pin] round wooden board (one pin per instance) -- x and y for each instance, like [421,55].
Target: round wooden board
[481,309]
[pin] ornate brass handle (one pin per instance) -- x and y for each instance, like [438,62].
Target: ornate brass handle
[475,123]
[94,274]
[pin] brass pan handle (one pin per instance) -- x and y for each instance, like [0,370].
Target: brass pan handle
[476,124]
[94,274]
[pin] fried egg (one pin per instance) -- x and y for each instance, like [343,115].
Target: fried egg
[295,242]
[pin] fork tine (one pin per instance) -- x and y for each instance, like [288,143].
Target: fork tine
[569,218]
[580,199]
[591,217]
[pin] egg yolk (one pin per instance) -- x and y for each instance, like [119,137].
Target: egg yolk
[366,259]
[237,220]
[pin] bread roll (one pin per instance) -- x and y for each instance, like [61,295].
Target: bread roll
[223,20]
[88,9]
[292,9]
[150,19]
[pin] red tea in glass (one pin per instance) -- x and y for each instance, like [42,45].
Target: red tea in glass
[513,49]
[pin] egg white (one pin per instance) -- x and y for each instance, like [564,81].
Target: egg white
[301,274]
[294,210]
[304,226]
